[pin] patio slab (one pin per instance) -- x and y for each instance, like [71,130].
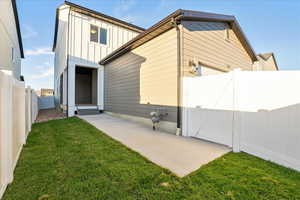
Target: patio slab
[181,155]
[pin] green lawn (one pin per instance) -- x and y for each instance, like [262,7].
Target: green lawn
[70,159]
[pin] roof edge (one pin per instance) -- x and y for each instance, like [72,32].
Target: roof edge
[149,30]
[55,30]
[104,15]
[14,5]
[180,15]
[273,57]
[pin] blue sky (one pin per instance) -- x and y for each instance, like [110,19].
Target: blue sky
[270,26]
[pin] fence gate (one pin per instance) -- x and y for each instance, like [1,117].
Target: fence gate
[208,108]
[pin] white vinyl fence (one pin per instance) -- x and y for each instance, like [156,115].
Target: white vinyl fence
[18,110]
[256,112]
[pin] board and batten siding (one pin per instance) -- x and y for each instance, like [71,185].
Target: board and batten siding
[60,58]
[206,42]
[144,79]
[73,39]
[85,51]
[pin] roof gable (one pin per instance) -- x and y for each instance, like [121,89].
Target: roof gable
[267,56]
[95,14]
[176,17]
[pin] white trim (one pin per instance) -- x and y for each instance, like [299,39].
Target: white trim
[86,107]
[100,84]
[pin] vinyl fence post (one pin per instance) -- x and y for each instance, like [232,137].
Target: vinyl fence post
[21,95]
[236,129]
[28,117]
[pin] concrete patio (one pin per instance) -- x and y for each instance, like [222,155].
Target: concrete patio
[180,155]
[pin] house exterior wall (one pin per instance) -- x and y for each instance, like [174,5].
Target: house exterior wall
[265,65]
[85,51]
[9,42]
[60,59]
[144,80]
[206,42]
[76,43]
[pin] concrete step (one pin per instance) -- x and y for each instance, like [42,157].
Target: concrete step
[88,112]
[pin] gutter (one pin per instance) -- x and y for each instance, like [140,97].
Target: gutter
[174,21]
[68,63]
[14,5]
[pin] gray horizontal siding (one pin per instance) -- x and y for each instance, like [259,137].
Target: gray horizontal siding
[144,79]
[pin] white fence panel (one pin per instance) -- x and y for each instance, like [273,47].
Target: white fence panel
[46,102]
[6,118]
[19,121]
[16,118]
[34,106]
[28,110]
[208,108]
[270,111]
[264,108]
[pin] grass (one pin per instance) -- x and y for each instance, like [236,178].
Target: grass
[70,159]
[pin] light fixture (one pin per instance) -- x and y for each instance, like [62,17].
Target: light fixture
[93,31]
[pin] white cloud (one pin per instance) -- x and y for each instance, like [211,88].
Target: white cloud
[163,4]
[124,6]
[129,18]
[122,10]
[28,32]
[166,5]
[39,51]
[43,66]
[44,74]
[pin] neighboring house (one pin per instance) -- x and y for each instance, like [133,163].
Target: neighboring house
[266,62]
[11,48]
[46,92]
[82,38]
[109,65]
[146,74]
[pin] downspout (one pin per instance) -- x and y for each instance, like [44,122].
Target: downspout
[174,22]
[68,62]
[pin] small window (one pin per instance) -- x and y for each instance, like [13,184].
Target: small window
[94,33]
[103,36]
